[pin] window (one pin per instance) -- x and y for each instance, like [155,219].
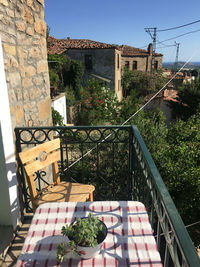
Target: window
[127,64]
[88,62]
[155,64]
[134,65]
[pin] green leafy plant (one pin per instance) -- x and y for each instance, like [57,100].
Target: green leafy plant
[56,117]
[188,100]
[99,104]
[86,232]
[142,83]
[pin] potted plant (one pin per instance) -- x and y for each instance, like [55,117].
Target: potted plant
[86,236]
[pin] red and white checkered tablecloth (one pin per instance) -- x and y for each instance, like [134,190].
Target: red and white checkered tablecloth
[129,241]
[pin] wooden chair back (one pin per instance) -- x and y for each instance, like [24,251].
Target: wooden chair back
[38,158]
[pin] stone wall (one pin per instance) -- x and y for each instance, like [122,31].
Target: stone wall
[103,62]
[143,62]
[23,34]
[159,59]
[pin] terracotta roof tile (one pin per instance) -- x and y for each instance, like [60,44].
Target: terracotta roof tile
[58,46]
[133,51]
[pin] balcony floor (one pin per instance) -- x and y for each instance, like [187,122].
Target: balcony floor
[17,244]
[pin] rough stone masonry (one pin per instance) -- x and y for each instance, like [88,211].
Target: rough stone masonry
[23,34]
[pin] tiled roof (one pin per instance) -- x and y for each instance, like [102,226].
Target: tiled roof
[58,46]
[133,51]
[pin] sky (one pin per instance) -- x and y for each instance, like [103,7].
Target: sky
[124,22]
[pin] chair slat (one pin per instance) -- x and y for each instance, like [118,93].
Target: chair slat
[39,165]
[34,152]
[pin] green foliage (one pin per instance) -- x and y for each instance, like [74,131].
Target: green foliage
[142,83]
[176,152]
[56,117]
[77,70]
[188,100]
[54,78]
[65,72]
[70,96]
[84,232]
[99,104]
[56,62]
[182,164]
[57,65]
[128,106]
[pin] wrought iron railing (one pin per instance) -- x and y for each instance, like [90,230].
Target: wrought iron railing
[116,160]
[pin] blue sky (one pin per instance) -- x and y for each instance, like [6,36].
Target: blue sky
[123,22]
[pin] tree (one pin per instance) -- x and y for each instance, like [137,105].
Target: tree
[76,76]
[56,66]
[187,101]
[176,152]
[142,83]
[66,73]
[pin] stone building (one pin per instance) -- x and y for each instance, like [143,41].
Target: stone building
[101,60]
[140,59]
[24,95]
[106,61]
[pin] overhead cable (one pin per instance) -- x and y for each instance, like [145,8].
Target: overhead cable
[174,28]
[180,35]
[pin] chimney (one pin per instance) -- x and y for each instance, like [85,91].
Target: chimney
[150,49]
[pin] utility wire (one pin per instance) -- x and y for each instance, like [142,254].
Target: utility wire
[136,111]
[180,35]
[158,42]
[174,28]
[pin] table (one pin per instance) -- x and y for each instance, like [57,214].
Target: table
[129,242]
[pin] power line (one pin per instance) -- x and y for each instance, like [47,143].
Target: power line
[184,25]
[180,36]
[166,46]
[158,42]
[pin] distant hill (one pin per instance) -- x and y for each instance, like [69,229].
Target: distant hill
[190,65]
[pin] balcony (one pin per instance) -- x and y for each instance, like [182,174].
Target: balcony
[116,161]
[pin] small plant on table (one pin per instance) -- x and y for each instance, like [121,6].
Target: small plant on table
[86,236]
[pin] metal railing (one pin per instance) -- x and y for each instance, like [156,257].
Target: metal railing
[116,161]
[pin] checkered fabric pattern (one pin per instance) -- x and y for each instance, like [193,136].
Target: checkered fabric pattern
[129,241]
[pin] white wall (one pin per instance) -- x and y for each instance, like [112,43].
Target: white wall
[59,104]
[8,155]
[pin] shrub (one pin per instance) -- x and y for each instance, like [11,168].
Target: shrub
[99,104]
[56,117]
